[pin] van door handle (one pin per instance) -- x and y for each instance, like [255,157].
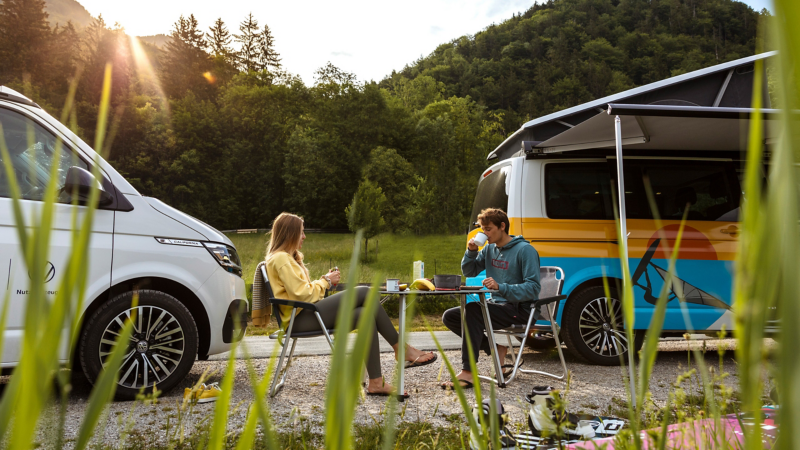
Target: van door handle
[732,230]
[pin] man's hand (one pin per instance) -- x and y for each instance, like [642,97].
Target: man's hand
[489,283]
[472,245]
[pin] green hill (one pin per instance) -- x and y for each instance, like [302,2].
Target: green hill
[159,40]
[561,53]
[62,11]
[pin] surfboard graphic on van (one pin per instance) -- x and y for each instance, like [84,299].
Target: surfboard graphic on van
[691,293]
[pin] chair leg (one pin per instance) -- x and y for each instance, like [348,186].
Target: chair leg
[275,385]
[501,382]
[324,329]
[554,328]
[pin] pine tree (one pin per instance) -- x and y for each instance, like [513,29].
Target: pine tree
[219,39]
[24,37]
[248,55]
[268,57]
[186,65]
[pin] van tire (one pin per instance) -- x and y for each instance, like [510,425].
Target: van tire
[173,353]
[585,307]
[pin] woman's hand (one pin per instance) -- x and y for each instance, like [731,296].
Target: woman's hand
[472,246]
[334,276]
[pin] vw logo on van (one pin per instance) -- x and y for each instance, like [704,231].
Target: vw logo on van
[50,272]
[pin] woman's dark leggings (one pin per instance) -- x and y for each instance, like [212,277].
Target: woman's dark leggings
[329,308]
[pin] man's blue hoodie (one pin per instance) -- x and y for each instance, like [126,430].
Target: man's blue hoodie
[515,267]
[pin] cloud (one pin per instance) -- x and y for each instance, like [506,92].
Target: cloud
[436,30]
[349,55]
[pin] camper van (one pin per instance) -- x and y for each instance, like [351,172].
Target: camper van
[186,275]
[558,179]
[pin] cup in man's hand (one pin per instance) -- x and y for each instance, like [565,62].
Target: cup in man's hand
[480,239]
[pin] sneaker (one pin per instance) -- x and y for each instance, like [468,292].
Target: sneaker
[204,394]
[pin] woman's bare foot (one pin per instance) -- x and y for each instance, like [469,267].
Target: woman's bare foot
[378,386]
[415,356]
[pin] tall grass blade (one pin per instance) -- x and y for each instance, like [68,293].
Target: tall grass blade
[219,426]
[106,384]
[783,204]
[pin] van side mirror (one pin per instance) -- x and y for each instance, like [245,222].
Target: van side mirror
[80,182]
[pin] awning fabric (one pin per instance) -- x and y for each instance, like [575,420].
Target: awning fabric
[654,127]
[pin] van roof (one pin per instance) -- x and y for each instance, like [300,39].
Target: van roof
[727,85]
[11,95]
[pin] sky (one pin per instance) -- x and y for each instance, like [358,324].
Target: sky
[369,38]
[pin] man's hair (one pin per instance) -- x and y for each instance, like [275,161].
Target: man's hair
[494,216]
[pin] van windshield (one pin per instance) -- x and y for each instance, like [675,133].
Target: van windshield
[492,193]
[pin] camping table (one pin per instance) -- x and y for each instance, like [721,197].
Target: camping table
[463,296]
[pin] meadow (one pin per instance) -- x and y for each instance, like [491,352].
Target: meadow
[394,259]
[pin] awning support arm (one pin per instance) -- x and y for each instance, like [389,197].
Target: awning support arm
[623,229]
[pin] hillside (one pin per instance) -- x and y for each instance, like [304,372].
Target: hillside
[62,11]
[565,52]
[159,40]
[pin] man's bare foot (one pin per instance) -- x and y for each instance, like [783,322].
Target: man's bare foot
[502,351]
[464,378]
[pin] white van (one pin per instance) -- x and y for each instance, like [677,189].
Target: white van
[187,274]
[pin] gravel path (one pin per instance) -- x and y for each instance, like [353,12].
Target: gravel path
[593,389]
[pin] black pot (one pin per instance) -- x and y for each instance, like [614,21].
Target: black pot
[447,281]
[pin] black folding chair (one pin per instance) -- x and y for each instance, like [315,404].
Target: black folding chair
[285,337]
[552,280]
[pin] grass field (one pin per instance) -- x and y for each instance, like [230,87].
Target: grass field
[395,259]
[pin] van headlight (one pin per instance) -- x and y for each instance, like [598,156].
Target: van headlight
[226,256]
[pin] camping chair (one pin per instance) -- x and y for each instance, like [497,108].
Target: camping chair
[549,297]
[289,334]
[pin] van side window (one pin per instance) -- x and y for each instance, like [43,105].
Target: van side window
[492,193]
[31,149]
[578,191]
[706,188]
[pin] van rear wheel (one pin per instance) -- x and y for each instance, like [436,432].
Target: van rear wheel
[161,350]
[593,328]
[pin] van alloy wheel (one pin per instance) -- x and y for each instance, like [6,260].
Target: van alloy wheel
[589,331]
[601,327]
[160,352]
[155,348]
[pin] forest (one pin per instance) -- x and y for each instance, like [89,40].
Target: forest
[214,125]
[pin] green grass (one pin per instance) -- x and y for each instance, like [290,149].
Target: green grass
[395,259]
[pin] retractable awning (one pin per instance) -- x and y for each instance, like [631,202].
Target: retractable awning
[662,127]
[727,86]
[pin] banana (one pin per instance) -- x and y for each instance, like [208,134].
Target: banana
[422,285]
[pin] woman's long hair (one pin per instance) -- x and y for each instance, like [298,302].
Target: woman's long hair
[287,229]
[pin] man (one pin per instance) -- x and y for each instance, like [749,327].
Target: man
[512,268]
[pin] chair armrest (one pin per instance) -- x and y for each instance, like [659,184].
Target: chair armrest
[548,300]
[294,304]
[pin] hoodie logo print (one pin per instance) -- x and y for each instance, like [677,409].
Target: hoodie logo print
[500,264]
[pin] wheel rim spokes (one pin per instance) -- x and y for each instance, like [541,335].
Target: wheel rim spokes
[600,332]
[154,351]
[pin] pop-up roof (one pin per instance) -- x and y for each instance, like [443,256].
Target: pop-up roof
[678,113]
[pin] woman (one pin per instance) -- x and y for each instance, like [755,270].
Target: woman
[290,279]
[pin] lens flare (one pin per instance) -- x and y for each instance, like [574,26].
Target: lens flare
[210,77]
[147,76]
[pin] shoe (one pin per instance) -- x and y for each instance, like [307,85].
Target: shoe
[206,393]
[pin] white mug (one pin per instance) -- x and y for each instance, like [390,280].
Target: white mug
[480,239]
